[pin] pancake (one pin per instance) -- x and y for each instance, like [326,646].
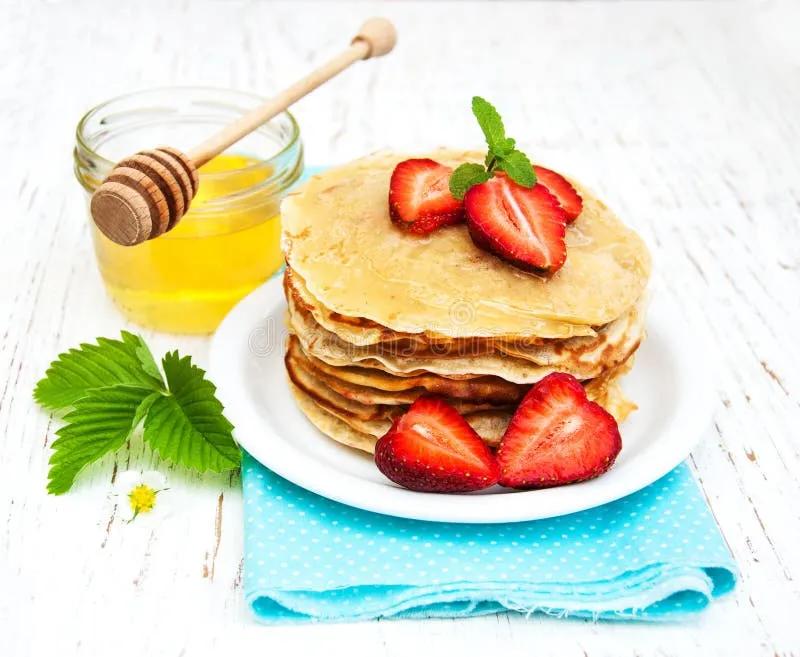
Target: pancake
[583,364]
[297,361]
[338,237]
[327,397]
[541,351]
[493,389]
[607,391]
[332,426]
[490,425]
[361,331]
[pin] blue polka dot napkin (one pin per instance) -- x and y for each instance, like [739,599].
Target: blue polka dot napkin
[654,555]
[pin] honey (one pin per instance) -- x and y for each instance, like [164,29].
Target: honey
[228,243]
[187,280]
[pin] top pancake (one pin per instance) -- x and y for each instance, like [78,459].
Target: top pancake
[338,236]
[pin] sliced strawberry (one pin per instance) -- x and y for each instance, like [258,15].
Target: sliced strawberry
[431,448]
[524,226]
[419,197]
[557,436]
[559,186]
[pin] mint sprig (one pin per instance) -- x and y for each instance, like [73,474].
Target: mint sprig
[465,176]
[518,167]
[492,125]
[115,386]
[502,154]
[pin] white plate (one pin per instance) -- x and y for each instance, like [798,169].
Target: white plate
[668,382]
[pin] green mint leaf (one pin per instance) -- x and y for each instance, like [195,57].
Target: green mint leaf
[187,426]
[92,366]
[99,423]
[491,124]
[465,176]
[503,154]
[518,167]
[506,147]
[493,158]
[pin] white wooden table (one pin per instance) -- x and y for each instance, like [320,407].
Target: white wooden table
[684,116]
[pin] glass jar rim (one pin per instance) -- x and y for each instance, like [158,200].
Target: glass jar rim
[292,140]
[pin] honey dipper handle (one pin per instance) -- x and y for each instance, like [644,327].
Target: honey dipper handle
[376,37]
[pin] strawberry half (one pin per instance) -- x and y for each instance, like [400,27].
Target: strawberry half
[431,448]
[524,226]
[559,186]
[419,197]
[557,436]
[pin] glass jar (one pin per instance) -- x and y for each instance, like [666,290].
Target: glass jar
[229,242]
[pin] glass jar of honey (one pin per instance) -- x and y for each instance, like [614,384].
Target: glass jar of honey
[229,242]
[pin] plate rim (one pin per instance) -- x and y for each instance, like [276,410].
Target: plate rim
[690,419]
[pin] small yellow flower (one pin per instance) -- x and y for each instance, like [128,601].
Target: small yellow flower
[142,490]
[142,499]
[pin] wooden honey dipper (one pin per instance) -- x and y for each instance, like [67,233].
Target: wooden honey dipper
[146,194]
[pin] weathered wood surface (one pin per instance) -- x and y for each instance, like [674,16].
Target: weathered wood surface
[684,116]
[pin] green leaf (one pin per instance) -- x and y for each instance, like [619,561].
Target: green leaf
[144,407]
[99,423]
[506,147]
[465,176]
[146,359]
[518,167]
[491,124]
[187,425]
[113,387]
[92,366]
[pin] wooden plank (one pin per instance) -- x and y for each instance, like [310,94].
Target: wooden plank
[684,116]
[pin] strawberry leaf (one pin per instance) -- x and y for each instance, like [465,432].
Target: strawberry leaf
[99,423]
[465,176]
[92,366]
[187,425]
[114,386]
[147,361]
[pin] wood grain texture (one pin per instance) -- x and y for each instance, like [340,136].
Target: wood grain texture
[376,37]
[685,117]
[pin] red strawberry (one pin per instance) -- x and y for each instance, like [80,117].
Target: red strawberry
[419,197]
[431,448]
[558,186]
[557,436]
[524,226]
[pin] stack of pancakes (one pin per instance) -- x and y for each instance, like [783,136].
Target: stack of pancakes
[378,317]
